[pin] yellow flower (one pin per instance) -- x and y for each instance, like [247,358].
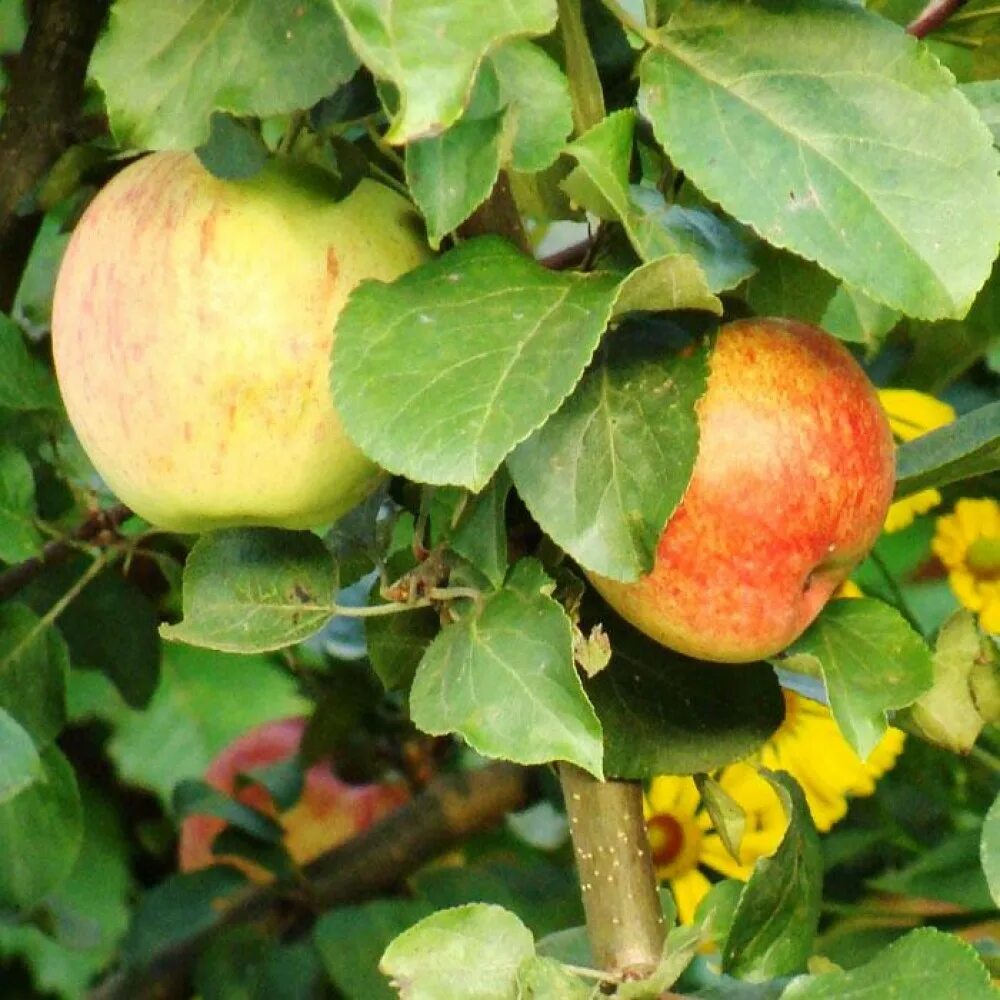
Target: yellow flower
[848,589]
[912,414]
[810,747]
[682,839]
[967,541]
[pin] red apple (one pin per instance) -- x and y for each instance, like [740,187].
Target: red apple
[192,326]
[794,475]
[328,812]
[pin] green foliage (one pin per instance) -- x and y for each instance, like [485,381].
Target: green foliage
[510,691]
[468,333]
[165,67]
[663,713]
[581,475]
[924,960]
[251,590]
[669,165]
[969,447]
[778,912]
[470,952]
[432,63]
[871,661]
[821,173]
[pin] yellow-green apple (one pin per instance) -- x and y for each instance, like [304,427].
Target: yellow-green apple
[794,474]
[328,812]
[192,327]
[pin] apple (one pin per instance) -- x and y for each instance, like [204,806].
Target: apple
[794,475]
[192,326]
[328,812]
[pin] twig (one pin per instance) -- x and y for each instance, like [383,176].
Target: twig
[446,813]
[898,597]
[933,16]
[498,214]
[42,106]
[17,577]
[569,257]
[624,917]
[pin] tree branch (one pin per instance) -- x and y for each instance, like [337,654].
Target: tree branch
[624,917]
[933,16]
[19,576]
[498,214]
[42,106]
[446,813]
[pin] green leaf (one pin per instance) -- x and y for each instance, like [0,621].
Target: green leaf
[247,590]
[926,962]
[438,375]
[984,96]
[663,713]
[968,447]
[787,285]
[519,113]
[41,829]
[166,65]
[944,351]
[90,909]
[950,871]
[813,144]
[25,382]
[20,765]
[605,473]
[776,918]
[176,910]
[672,282]
[110,626]
[546,979]
[503,678]
[854,317]
[678,950]
[192,715]
[601,184]
[351,941]
[468,953]
[727,815]
[19,538]
[451,174]
[193,797]
[475,527]
[431,52]
[543,895]
[872,661]
[232,151]
[989,849]
[397,643]
[245,963]
[535,92]
[33,668]
[947,714]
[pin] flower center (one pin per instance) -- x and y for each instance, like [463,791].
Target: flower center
[666,838]
[983,558]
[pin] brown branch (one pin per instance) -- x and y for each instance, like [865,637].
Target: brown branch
[498,214]
[42,106]
[933,16]
[19,576]
[617,879]
[446,813]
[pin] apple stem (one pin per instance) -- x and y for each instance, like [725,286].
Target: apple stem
[435,595]
[617,879]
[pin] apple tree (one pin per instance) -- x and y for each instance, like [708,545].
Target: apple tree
[430,432]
